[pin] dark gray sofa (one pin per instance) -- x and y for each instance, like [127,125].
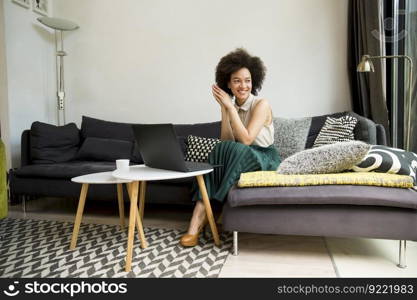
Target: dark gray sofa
[327,210]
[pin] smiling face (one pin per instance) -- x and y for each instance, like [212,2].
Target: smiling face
[241,84]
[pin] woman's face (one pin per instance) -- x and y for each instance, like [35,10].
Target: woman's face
[241,84]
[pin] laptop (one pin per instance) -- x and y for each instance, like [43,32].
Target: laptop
[160,148]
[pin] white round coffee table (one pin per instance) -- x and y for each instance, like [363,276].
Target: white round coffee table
[102,178]
[139,175]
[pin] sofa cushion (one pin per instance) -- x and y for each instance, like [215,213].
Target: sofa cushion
[65,170]
[290,135]
[91,127]
[336,130]
[53,144]
[104,149]
[324,194]
[271,178]
[384,159]
[331,158]
[198,148]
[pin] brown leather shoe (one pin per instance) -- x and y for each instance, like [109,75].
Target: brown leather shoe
[191,240]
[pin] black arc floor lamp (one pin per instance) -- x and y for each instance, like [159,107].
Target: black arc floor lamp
[366,65]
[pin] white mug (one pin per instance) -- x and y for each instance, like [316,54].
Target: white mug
[122,164]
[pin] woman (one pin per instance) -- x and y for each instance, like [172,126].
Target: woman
[247,132]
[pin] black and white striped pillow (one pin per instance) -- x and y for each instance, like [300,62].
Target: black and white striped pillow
[336,130]
[384,159]
[199,148]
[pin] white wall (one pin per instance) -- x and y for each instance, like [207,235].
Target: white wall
[154,60]
[30,77]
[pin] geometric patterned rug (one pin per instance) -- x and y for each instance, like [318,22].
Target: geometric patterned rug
[40,248]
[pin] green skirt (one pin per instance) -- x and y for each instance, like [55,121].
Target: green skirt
[235,158]
[3,189]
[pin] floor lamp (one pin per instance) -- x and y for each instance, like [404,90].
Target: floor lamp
[366,65]
[59,25]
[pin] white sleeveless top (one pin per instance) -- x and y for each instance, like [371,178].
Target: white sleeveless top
[265,137]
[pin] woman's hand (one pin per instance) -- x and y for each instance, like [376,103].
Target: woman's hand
[222,97]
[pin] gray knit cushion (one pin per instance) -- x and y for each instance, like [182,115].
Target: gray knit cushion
[199,148]
[331,158]
[290,135]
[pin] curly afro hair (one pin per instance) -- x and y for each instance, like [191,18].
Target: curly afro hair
[236,60]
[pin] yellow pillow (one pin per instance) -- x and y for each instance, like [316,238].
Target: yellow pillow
[271,178]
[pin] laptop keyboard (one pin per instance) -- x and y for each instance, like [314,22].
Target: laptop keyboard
[197,166]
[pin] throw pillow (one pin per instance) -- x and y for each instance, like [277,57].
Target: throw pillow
[104,149]
[290,135]
[384,159]
[199,148]
[317,123]
[336,130]
[53,144]
[331,158]
[182,140]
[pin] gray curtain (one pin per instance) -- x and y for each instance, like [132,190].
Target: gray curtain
[368,90]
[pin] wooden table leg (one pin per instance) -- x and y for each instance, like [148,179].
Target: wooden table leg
[132,218]
[209,212]
[138,225]
[121,205]
[79,215]
[142,199]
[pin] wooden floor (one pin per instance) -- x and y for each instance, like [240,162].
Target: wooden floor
[259,255]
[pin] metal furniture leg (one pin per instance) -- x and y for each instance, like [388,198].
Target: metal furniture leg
[402,254]
[121,205]
[235,243]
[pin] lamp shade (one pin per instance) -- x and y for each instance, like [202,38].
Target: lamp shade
[58,24]
[365,65]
